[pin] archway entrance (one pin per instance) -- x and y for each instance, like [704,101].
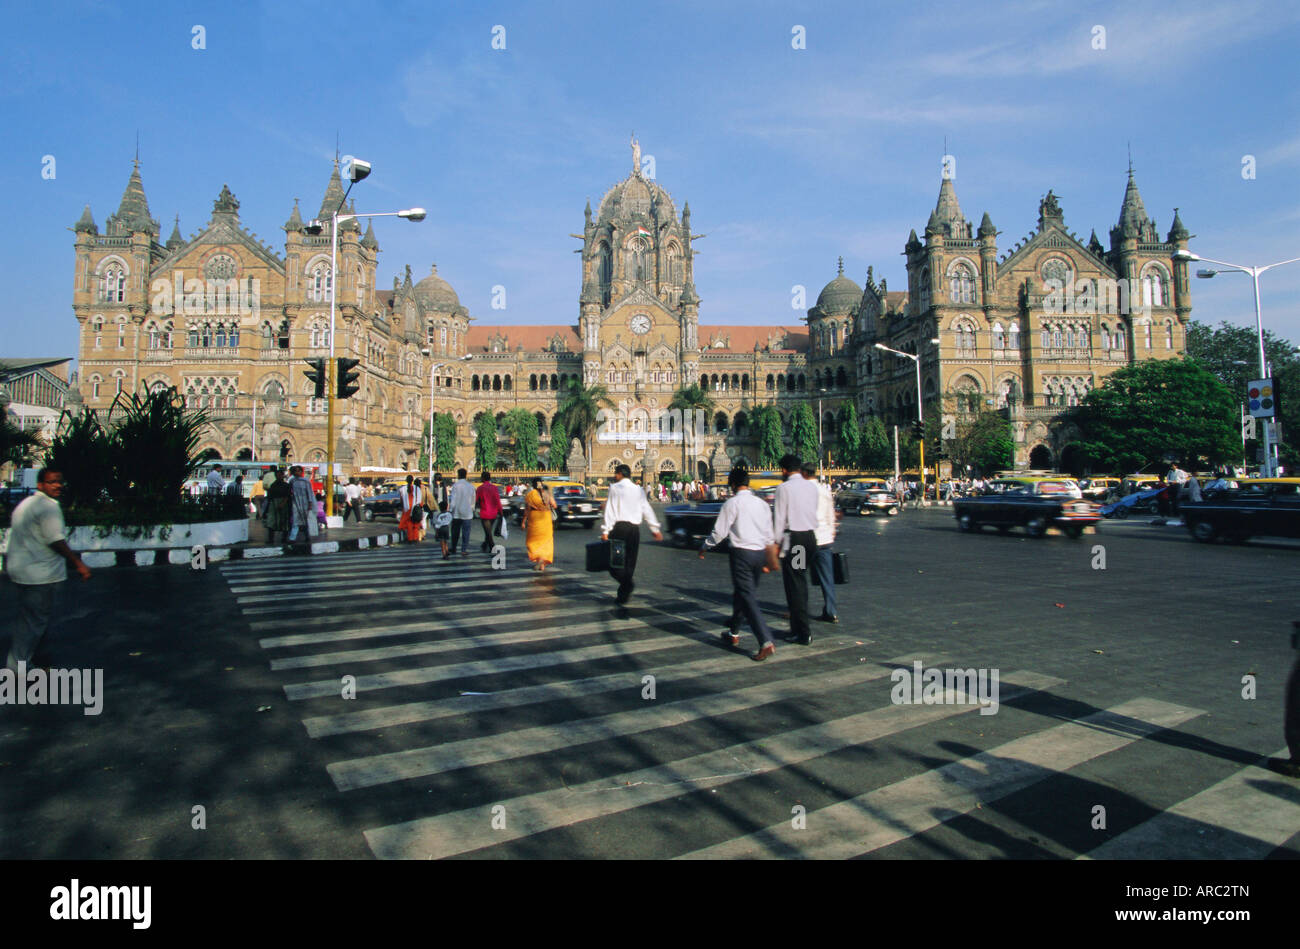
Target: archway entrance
[1041,458]
[1073,460]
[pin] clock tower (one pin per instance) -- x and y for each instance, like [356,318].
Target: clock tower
[638,313]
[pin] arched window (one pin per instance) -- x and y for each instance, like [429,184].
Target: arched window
[1154,288]
[1121,338]
[1146,332]
[1169,334]
[112,284]
[1058,337]
[961,284]
[1013,336]
[319,284]
[998,341]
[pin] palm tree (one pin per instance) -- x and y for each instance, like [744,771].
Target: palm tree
[17,445]
[688,400]
[580,409]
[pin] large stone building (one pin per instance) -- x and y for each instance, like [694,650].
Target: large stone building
[228,320]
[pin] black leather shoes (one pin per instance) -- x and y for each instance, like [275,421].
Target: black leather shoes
[827,618]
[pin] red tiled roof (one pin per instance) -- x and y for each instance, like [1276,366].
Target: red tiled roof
[741,339]
[535,339]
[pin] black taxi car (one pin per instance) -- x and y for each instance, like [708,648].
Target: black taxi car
[1258,507]
[1035,503]
[867,496]
[573,504]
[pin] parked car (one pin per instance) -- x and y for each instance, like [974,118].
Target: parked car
[1259,507]
[1034,503]
[867,497]
[382,503]
[1099,488]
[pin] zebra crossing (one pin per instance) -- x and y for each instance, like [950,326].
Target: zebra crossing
[500,712]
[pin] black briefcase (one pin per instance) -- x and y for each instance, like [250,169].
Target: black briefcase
[606,555]
[840,566]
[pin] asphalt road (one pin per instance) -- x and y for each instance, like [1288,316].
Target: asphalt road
[498,714]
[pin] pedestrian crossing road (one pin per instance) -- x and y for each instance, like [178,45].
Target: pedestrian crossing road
[466,711]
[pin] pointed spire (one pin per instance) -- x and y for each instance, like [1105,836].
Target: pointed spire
[175,240]
[587,213]
[368,241]
[333,199]
[947,208]
[1094,245]
[133,212]
[1132,213]
[295,218]
[86,223]
[1177,232]
[986,226]
[841,268]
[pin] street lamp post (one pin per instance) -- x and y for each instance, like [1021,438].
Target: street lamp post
[432,378]
[920,416]
[1270,467]
[821,440]
[357,171]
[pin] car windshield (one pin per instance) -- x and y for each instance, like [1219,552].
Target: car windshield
[1054,487]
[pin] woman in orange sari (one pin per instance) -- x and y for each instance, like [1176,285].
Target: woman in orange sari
[539,529]
[412,519]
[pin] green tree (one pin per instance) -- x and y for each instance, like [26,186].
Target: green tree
[849,451]
[1160,407]
[876,452]
[771,440]
[444,442]
[803,434]
[17,445]
[982,441]
[580,411]
[559,446]
[1232,354]
[521,426]
[154,441]
[83,451]
[688,400]
[485,441]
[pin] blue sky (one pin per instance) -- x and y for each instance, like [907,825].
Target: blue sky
[789,157]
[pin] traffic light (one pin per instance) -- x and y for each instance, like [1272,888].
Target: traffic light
[347,376]
[918,429]
[317,376]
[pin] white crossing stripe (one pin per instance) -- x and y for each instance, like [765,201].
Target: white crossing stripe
[1245,816]
[460,643]
[422,676]
[511,613]
[913,806]
[395,571]
[471,752]
[411,712]
[436,596]
[339,589]
[471,829]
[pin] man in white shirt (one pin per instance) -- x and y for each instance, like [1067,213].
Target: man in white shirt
[352,495]
[625,508]
[746,522]
[35,563]
[795,524]
[460,505]
[216,483]
[823,568]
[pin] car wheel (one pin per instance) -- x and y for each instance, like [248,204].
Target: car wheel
[1073,530]
[369,514]
[863,510]
[1154,508]
[1120,513]
[1204,531]
[1036,527]
[894,510]
[966,523]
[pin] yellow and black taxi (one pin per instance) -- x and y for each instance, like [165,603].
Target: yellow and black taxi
[1033,502]
[573,503]
[1258,507]
[1099,487]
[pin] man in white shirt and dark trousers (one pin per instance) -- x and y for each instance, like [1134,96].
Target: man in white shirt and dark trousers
[625,508]
[746,522]
[795,524]
[823,568]
[461,505]
[37,562]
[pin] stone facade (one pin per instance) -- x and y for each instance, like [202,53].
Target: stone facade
[229,321]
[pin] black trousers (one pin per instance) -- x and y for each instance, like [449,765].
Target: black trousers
[630,535]
[746,571]
[803,551]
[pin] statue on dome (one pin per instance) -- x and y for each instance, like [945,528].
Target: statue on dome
[636,155]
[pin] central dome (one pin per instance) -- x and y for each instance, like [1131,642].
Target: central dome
[840,295]
[434,293]
[635,194]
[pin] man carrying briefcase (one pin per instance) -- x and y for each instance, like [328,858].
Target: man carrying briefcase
[625,508]
[823,563]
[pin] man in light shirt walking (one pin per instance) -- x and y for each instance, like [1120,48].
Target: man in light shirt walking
[625,508]
[745,521]
[461,507]
[36,563]
[823,568]
[795,524]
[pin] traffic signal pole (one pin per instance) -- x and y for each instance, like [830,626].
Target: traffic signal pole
[329,434]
